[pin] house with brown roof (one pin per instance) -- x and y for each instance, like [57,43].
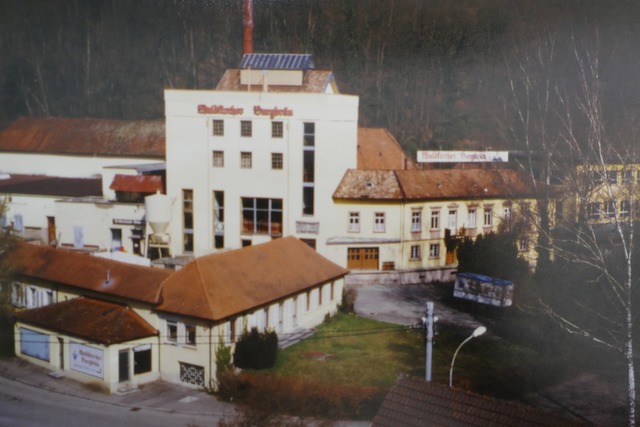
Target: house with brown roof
[414,402]
[94,319]
[400,219]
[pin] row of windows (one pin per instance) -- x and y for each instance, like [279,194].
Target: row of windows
[435,223]
[416,251]
[612,177]
[246,128]
[180,333]
[246,160]
[608,209]
[274,316]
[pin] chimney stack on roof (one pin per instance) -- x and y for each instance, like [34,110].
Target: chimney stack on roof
[248,26]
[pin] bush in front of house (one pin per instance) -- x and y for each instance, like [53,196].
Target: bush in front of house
[256,350]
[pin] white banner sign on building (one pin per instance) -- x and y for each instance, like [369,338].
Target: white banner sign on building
[462,156]
[88,360]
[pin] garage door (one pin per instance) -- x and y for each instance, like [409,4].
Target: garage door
[362,258]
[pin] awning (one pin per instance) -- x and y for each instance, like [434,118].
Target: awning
[137,183]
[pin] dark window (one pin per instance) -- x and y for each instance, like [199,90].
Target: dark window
[141,360]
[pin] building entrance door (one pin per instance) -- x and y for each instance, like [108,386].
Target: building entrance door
[123,366]
[61,345]
[362,258]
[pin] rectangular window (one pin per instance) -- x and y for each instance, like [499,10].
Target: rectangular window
[378,222]
[434,250]
[354,222]
[308,165]
[218,218]
[506,213]
[625,208]
[276,161]
[218,159]
[453,221]
[218,128]
[187,220]
[416,220]
[245,160]
[593,210]
[190,334]
[172,331]
[610,209]
[471,217]
[415,252]
[612,177]
[277,130]
[262,216]
[246,129]
[435,220]
[34,344]
[141,359]
[488,217]
[523,244]
[627,177]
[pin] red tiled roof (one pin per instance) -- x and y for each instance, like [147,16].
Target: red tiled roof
[137,183]
[434,184]
[379,150]
[416,402]
[51,186]
[221,285]
[87,272]
[85,137]
[89,319]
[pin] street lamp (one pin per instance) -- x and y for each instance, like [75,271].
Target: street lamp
[476,333]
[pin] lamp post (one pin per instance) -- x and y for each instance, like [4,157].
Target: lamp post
[476,333]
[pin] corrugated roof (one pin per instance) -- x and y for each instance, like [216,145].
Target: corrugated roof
[51,186]
[218,286]
[137,183]
[416,402]
[434,184]
[277,61]
[92,320]
[379,150]
[314,81]
[87,272]
[85,137]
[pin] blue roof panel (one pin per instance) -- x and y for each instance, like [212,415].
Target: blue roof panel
[277,61]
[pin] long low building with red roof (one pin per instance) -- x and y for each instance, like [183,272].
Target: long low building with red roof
[137,324]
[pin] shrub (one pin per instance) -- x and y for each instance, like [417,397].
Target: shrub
[303,398]
[256,350]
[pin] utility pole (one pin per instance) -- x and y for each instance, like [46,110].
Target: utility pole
[429,321]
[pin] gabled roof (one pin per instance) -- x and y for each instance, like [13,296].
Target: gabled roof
[91,320]
[379,150]
[85,137]
[433,184]
[416,402]
[314,81]
[41,185]
[137,183]
[87,272]
[219,286]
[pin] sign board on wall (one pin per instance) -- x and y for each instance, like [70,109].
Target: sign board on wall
[88,360]
[462,156]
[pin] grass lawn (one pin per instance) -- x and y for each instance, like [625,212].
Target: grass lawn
[356,351]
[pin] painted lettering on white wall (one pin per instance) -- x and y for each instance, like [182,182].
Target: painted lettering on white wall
[88,360]
[219,109]
[272,112]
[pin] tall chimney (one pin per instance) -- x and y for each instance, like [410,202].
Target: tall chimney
[247,25]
